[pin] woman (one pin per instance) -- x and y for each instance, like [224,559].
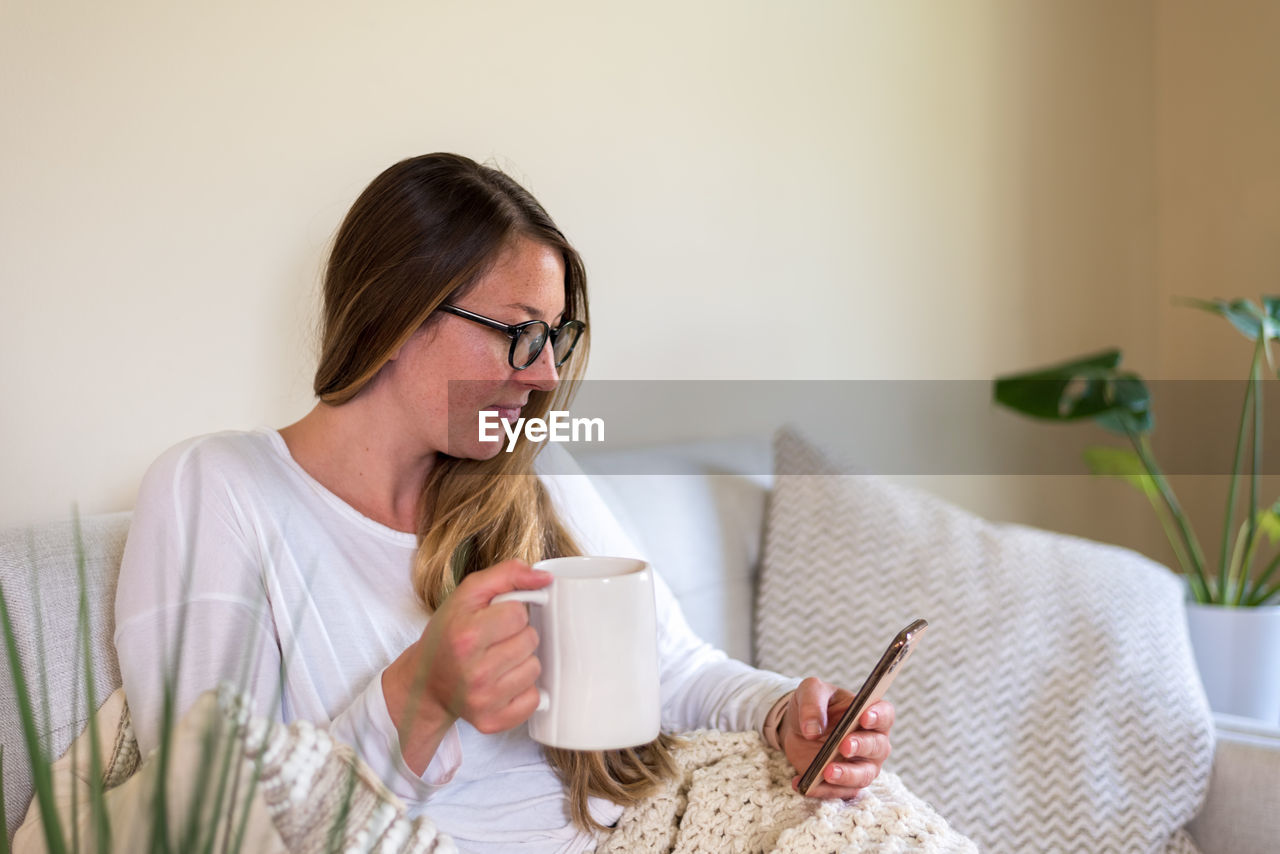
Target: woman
[342,568]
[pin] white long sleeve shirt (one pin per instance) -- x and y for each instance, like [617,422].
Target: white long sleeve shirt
[240,566]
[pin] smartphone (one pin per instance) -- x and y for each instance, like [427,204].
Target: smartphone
[872,690]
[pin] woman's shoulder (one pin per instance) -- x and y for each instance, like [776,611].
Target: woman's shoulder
[215,458]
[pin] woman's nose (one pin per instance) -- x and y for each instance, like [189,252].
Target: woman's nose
[542,374]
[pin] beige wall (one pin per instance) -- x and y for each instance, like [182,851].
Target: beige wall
[1218,192]
[908,190]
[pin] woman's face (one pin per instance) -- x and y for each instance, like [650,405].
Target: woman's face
[452,369]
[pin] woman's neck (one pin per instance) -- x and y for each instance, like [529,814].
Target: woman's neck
[350,451]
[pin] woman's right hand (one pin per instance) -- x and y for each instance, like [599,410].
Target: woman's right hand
[474,661]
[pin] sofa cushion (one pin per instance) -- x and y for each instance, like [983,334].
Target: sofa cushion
[696,510]
[1054,703]
[40,583]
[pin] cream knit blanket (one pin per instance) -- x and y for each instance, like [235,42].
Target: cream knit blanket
[298,791]
[734,795]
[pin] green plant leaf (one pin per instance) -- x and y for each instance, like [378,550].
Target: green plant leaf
[1131,405]
[1087,387]
[1271,307]
[1062,392]
[1269,523]
[1243,314]
[1106,461]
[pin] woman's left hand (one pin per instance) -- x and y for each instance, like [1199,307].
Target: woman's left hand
[813,709]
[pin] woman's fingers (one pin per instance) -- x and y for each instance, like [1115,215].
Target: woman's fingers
[513,653]
[843,779]
[866,744]
[478,655]
[478,589]
[815,710]
[512,700]
[878,717]
[810,701]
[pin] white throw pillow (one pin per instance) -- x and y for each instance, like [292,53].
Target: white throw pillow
[1053,705]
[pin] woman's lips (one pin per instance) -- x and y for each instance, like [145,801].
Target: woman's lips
[509,413]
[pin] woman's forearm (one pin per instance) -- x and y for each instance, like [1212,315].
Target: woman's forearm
[420,721]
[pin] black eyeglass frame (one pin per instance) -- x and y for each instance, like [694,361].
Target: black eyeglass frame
[514,331]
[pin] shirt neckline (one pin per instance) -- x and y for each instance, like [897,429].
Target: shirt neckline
[278,444]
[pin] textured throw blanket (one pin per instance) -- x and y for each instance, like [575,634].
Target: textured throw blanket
[300,791]
[734,794]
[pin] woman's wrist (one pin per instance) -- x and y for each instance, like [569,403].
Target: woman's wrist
[420,722]
[772,729]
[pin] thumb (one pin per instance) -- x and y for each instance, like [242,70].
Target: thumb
[811,707]
[480,587]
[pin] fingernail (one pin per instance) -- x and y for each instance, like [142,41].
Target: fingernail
[871,718]
[811,729]
[836,773]
[853,748]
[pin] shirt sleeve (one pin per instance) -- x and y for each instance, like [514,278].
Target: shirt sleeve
[701,686]
[367,726]
[193,611]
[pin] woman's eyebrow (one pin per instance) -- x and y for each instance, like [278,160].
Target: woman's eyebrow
[530,310]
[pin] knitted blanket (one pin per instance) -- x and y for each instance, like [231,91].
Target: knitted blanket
[299,791]
[734,794]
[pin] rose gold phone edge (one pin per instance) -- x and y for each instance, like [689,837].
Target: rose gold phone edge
[873,689]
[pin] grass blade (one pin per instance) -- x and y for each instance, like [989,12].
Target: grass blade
[42,777]
[1107,461]
[38,608]
[338,830]
[160,837]
[159,804]
[1260,593]
[1255,377]
[97,798]
[1229,522]
[1263,596]
[74,818]
[232,756]
[200,826]
[1199,587]
[4,840]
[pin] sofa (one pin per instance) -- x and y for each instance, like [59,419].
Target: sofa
[706,514]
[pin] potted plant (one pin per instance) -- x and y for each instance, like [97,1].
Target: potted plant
[1233,607]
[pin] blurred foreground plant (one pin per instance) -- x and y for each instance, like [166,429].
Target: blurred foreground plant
[210,818]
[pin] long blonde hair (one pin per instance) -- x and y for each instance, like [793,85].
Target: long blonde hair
[420,234]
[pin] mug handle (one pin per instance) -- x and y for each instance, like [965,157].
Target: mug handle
[529,597]
[532,597]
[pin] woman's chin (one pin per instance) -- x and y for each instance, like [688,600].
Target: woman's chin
[473,449]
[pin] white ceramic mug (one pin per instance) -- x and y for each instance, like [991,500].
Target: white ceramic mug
[598,647]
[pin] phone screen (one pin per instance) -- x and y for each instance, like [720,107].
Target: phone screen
[872,690]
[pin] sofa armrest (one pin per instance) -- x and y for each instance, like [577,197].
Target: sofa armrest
[1240,815]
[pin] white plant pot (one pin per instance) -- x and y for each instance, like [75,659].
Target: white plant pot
[1238,653]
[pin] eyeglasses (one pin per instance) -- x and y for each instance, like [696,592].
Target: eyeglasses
[528,338]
